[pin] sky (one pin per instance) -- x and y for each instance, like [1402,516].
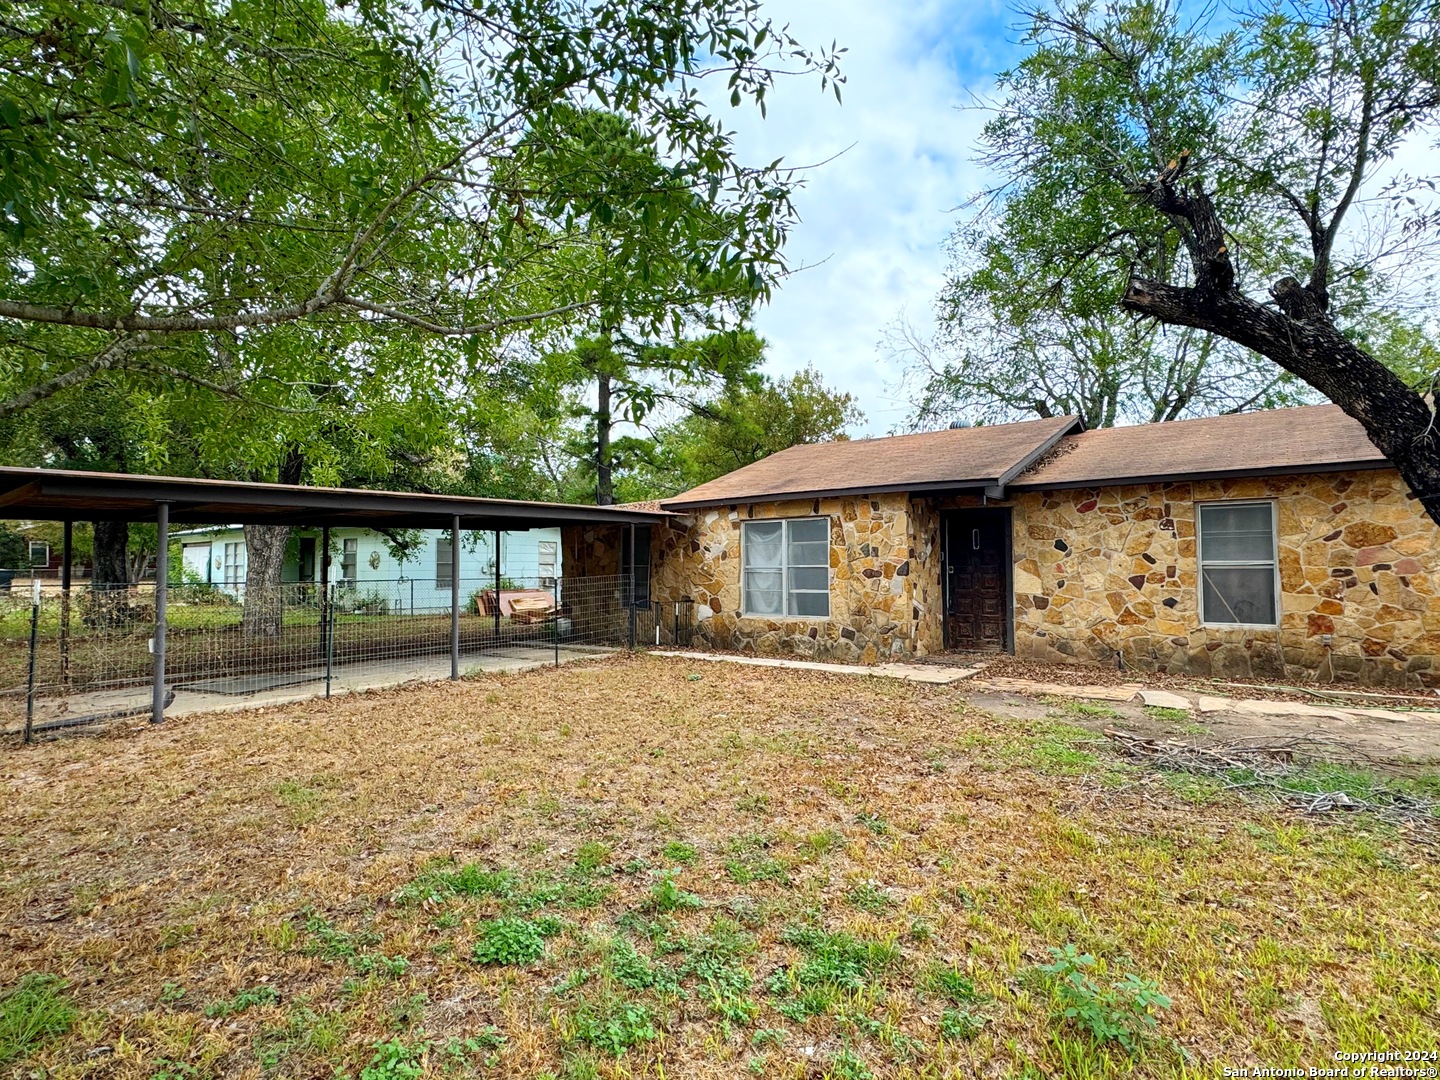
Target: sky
[876,218]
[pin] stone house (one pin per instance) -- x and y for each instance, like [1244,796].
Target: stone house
[1275,544]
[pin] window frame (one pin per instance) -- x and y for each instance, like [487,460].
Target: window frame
[1273,564]
[444,568]
[785,522]
[39,564]
[349,550]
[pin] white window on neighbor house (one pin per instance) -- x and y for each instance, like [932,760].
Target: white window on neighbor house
[232,567]
[349,560]
[444,567]
[1239,575]
[786,567]
[39,553]
[549,553]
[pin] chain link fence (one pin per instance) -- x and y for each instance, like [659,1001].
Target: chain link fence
[88,655]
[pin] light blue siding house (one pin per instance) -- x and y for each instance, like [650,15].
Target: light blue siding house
[364,567]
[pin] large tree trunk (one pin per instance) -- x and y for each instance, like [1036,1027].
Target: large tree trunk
[264,612]
[108,601]
[264,595]
[604,480]
[1297,333]
[111,556]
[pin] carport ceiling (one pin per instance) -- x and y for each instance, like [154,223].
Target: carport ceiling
[63,495]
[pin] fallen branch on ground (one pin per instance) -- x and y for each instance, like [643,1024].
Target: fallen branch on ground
[1269,765]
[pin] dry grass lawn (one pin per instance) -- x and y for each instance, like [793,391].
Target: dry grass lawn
[643,867]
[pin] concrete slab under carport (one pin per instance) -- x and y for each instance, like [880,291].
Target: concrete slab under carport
[309,684]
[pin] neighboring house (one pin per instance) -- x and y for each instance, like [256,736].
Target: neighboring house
[363,561]
[1275,544]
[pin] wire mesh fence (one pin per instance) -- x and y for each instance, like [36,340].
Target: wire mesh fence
[71,658]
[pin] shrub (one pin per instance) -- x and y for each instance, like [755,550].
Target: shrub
[1122,1012]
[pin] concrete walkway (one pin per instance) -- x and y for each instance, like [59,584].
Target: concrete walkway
[1206,704]
[921,673]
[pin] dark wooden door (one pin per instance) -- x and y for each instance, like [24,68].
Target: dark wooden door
[978,588]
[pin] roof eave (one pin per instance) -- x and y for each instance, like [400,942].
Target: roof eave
[1211,474]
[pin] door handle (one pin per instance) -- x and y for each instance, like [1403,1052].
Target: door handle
[975,539]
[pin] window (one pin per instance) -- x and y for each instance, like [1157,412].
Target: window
[1238,577]
[640,589]
[444,553]
[233,566]
[786,567]
[39,553]
[349,559]
[549,561]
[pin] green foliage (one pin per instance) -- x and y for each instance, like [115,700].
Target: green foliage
[682,853]
[960,1024]
[510,940]
[666,896]
[1166,714]
[869,897]
[331,943]
[243,1000]
[442,881]
[34,1010]
[1282,108]
[612,1025]
[395,1060]
[1122,1012]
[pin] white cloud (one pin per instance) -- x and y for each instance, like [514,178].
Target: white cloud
[876,218]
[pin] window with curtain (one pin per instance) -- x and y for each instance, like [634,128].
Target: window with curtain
[549,560]
[1239,578]
[786,567]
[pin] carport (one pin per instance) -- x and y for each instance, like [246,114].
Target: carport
[70,496]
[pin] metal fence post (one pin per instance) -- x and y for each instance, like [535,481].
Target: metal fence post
[325,604]
[555,618]
[30,676]
[162,574]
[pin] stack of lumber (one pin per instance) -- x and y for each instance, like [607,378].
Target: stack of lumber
[521,605]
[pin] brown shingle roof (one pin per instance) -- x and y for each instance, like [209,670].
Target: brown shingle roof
[954,458]
[1309,438]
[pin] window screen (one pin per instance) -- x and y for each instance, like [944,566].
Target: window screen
[786,567]
[349,560]
[1237,564]
[444,552]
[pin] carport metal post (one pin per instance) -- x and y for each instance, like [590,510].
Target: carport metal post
[67,555]
[325,602]
[631,587]
[455,597]
[162,575]
[497,586]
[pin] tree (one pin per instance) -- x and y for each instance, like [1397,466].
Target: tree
[282,208]
[751,421]
[1222,156]
[178,177]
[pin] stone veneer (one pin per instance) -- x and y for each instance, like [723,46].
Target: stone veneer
[1099,573]
[876,600]
[1107,571]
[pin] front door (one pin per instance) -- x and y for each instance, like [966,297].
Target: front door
[977,586]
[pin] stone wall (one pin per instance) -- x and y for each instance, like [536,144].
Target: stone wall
[1107,571]
[879,608]
[1099,573]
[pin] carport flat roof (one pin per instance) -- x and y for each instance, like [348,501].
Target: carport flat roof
[62,494]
